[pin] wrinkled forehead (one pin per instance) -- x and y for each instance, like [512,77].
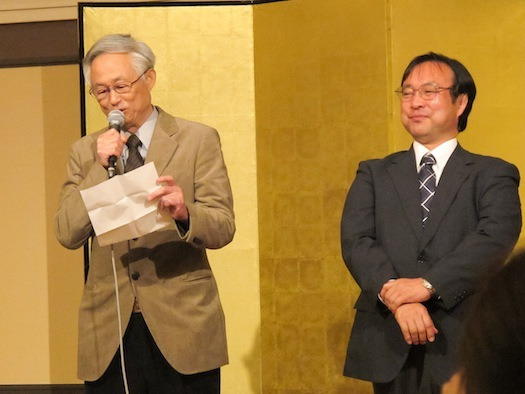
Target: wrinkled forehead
[430,72]
[111,67]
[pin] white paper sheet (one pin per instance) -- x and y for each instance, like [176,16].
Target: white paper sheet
[118,208]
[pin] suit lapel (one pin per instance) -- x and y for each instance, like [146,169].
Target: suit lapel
[458,168]
[403,173]
[163,146]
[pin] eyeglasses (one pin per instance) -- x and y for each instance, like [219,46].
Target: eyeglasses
[101,92]
[427,91]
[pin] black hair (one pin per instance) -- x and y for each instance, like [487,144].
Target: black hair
[463,81]
[493,347]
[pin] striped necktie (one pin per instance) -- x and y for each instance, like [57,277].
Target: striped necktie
[427,184]
[134,159]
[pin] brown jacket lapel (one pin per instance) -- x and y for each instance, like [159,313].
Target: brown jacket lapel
[163,146]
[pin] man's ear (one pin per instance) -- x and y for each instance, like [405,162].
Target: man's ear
[151,77]
[462,102]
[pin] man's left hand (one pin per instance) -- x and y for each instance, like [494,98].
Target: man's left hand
[170,198]
[416,324]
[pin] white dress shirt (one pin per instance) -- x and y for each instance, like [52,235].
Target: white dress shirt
[145,133]
[441,153]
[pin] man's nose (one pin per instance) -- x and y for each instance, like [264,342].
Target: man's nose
[113,96]
[416,100]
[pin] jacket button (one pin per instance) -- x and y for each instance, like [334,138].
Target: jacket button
[135,275]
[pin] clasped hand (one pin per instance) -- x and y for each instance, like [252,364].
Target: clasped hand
[404,298]
[110,143]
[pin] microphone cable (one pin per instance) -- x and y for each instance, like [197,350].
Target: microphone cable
[121,340]
[117,297]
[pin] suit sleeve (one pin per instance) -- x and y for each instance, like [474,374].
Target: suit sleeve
[364,256]
[212,223]
[456,275]
[72,224]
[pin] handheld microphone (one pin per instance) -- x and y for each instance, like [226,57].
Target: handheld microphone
[116,120]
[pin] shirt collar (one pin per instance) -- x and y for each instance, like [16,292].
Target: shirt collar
[441,153]
[145,132]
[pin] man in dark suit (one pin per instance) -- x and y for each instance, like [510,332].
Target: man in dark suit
[175,340]
[418,237]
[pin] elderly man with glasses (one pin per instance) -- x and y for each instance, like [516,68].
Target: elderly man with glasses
[419,230]
[175,339]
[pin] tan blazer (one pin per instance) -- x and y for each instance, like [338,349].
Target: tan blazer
[167,271]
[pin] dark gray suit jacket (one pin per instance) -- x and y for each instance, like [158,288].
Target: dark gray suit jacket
[474,223]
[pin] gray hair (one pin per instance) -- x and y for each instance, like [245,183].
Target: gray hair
[142,56]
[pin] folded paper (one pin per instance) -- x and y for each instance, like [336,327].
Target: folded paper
[119,210]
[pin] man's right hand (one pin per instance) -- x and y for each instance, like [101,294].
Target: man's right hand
[110,143]
[401,291]
[416,324]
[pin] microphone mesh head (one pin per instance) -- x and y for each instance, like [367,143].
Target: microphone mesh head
[116,119]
